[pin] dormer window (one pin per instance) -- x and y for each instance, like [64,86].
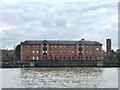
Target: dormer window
[80,44]
[44,44]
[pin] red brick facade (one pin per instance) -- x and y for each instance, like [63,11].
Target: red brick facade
[61,50]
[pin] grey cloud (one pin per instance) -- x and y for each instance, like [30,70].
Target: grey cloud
[93,21]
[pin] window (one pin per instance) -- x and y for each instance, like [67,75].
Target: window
[55,57]
[80,44]
[86,51]
[73,46]
[37,46]
[69,51]
[33,51]
[64,57]
[33,58]
[37,58]
[80,49]
[28,46]
[90,58]
[86,57]
[64,51]
[44,48]
[90,51]
[60,46]
[28,51]
[51,46]
[51,51]
[80,53]
[69,58]
[55,46]
[60,51]
[60,57]
[37,51]
[44,44]
[97,49]
[33,46]
[64,46]
[44,51]
[72,51]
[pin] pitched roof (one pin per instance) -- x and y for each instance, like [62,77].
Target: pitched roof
[56,42]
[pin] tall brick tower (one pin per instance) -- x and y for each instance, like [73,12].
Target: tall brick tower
[108,46]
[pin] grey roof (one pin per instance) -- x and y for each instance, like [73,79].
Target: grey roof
[65,42]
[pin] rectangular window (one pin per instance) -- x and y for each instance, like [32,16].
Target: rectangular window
[33,58]
[90,58]
[37,58]
[60,57]
[80,53]
[80,49]
[55,58]
[33,46]
[28,46]
[37,51]
[51,46]
[60,46]
[90,51]
[55,46]
[33,51]
[44,48]
[72,51]
[28,51]
[86,57]
[69,58]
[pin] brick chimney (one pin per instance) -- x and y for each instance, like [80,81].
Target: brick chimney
[108,46]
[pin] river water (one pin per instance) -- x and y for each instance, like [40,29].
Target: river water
[59,78]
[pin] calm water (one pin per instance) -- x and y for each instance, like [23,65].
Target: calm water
[59,78]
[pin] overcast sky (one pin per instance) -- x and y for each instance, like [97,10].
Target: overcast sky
[93,20]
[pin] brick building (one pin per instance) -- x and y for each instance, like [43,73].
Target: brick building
[61,50]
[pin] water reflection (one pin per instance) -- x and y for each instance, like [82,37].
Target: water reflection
[61,77]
